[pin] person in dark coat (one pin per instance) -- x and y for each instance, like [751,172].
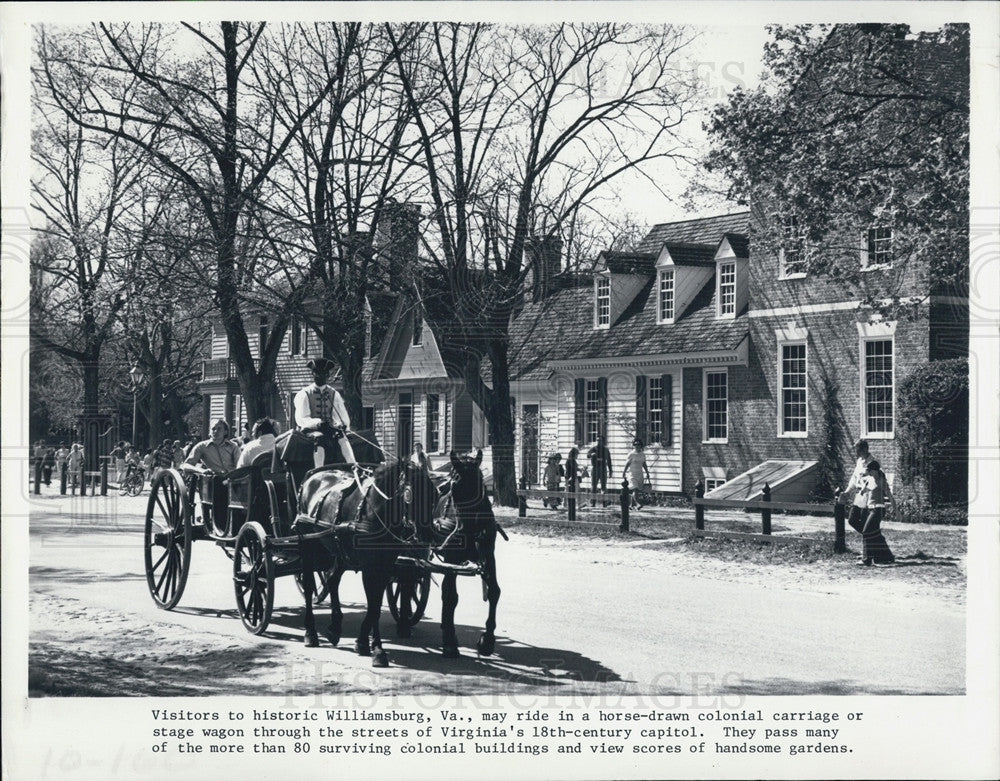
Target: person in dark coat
[600,466]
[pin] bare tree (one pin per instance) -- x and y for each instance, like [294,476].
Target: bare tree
[537,122]
[205,112]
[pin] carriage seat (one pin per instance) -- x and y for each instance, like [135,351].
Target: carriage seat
[248,499]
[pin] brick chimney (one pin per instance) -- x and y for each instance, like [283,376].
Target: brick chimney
[397,241]
[543,256]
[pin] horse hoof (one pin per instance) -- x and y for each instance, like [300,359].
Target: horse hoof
[379,658]
[311,639]
[403,630]
[362,647]
[332,636]
[486,644]
[450,652]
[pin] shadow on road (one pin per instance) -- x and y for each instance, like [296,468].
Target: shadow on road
[789,686]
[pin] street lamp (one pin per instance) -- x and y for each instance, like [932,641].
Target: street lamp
[137,375]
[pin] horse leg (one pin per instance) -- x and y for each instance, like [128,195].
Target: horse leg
[407,590]
[374,580]
[308,587]
[333,631]
[491,588]
[449,600]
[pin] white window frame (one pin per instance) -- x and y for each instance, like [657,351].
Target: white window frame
[704,405]
[781,345]
[726,265]
[661,314]
[430,412]
[711,483]
[868,336]
[783,221]
[599,282]
[867,264]
[589,385]
[648,434]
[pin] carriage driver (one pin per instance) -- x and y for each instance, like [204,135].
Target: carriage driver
[319,407]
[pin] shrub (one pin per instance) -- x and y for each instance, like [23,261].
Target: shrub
[933,430]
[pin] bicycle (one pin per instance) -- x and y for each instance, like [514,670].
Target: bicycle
[132,483]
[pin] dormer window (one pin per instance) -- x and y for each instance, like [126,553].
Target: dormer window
[602,302]
[792,259]
[878,252]
[665,300]
[727,289]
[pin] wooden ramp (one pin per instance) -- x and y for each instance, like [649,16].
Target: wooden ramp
[789,480]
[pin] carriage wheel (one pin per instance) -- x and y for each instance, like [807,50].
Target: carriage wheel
[418,596]
[167,540]
[253,577]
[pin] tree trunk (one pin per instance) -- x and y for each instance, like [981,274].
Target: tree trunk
[155,411]
[91,383]
[501,421]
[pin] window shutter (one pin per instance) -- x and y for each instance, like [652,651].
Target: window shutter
[579,387]
[667,404]
[641,426]
[602,395]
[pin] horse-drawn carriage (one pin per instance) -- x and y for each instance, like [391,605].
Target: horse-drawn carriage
[280,517]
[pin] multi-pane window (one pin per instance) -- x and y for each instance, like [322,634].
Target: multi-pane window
[655,409]
[716,406]
[793,388]
[433,423]
[666,297]
[727,288]
[592,410]
[879,246]
[878,390]
[711,483]
[792,247]
[602,302]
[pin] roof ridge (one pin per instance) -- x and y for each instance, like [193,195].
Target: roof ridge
[702,219]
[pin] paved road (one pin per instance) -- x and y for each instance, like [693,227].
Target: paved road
[596,618]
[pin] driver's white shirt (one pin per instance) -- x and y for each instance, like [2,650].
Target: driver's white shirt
[307,405]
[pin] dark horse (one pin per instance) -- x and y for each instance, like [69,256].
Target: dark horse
[467,532]
[374,525]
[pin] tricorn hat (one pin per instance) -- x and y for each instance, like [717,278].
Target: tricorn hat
[320,365]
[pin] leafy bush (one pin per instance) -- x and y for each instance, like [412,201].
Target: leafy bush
[933,430]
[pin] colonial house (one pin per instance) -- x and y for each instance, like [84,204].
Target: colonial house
[719,351]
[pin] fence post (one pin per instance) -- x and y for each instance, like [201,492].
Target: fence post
[104,477]
[38,475]
[624,499]
[699,509]
[765,513]
[63,474]
[571,499]
[522,501]
[839,516]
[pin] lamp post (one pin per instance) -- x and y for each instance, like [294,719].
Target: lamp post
[137,375]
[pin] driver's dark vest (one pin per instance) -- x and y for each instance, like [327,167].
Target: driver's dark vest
[321,404]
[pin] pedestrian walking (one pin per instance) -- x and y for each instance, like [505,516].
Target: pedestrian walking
[600,467]
[875,485]
[62,454]
[553,475]
[74,463]
[118,458]
[856,517]
[48,464]
[635,466]
[178,454]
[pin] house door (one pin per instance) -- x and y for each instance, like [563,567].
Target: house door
[404,427]
[529,443]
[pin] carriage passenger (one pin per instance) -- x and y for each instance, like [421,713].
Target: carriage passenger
[319,407]
[218,454]
[261,441]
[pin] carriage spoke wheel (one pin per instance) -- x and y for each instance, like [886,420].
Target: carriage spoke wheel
[253,577]
[417,594]
[167,540]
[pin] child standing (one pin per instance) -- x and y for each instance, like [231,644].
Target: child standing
[635,466]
